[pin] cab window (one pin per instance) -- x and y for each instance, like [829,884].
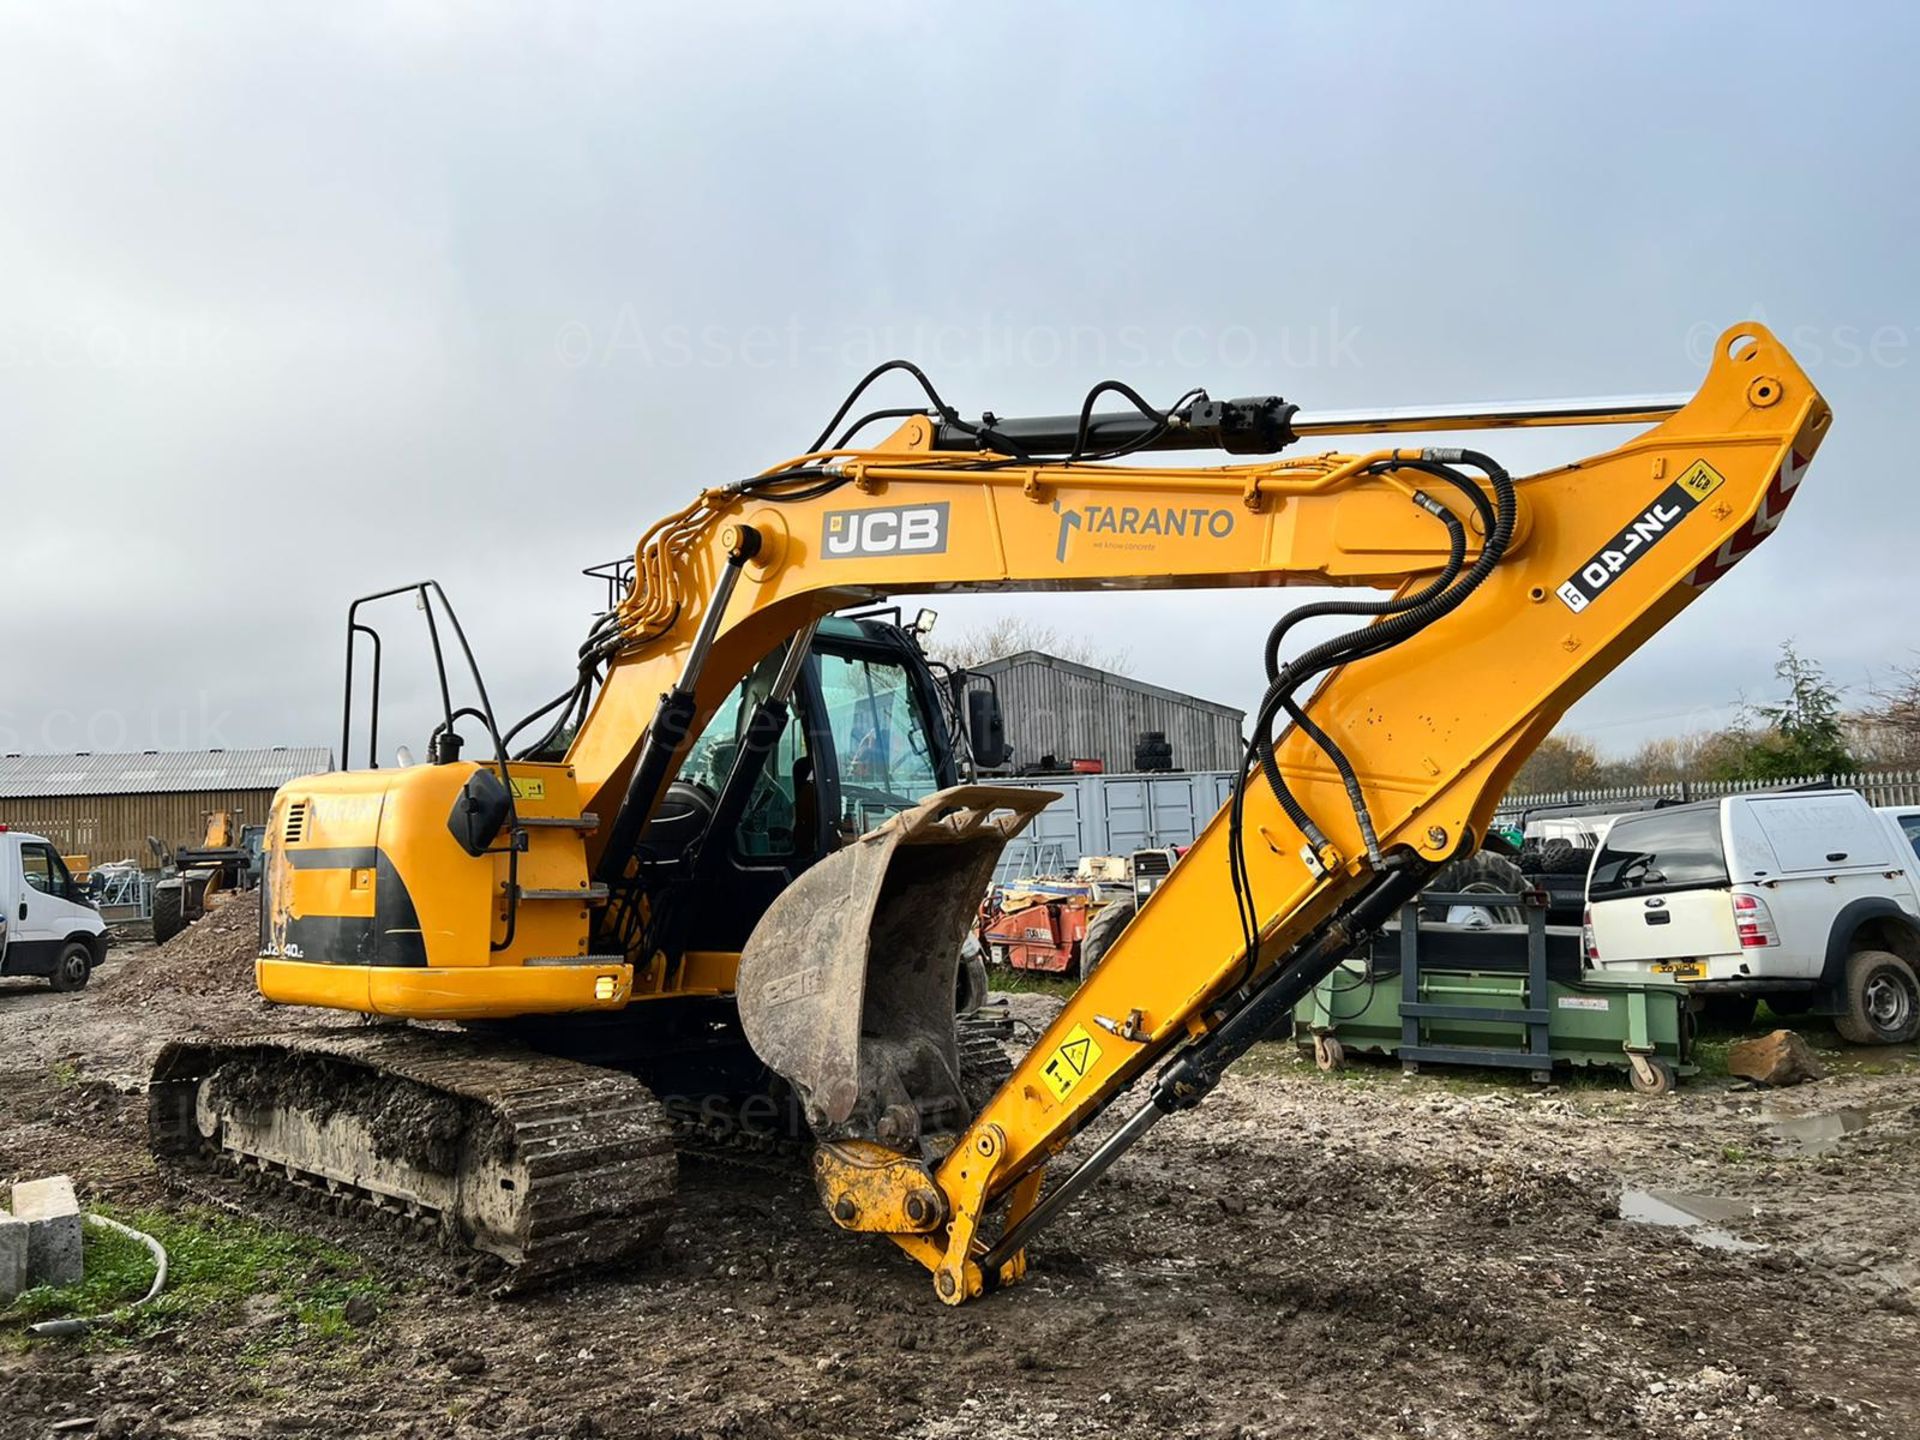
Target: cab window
[1667,850]
[43,869]
[880,739]
[768,828]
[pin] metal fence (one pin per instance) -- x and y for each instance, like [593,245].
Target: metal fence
[1880,787]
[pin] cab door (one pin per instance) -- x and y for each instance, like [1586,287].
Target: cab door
[9,886]
[44,911]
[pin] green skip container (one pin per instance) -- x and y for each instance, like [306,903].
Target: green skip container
[1510,995]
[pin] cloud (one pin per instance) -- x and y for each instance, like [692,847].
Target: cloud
[300,305]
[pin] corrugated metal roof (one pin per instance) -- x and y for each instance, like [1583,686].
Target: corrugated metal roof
[1073,667]
[158,772]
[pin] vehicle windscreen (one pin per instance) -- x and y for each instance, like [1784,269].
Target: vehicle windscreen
[880,736]
[1666,850]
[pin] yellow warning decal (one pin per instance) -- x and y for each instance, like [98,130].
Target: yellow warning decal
[1701,480]
[1070,1062]
[529,789]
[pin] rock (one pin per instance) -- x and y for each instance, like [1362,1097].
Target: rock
[55,1254]
[263,1312]
[359,1310]
[1781,1058]
[466,1362]
[120,1422]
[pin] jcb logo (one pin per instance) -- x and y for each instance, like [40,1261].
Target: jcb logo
[894,530]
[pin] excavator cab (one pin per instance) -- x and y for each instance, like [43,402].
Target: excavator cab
[866,738]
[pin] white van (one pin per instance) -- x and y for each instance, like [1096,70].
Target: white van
[1804,898]
[47,925]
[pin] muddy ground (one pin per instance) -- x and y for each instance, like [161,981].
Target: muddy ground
[1361,1255]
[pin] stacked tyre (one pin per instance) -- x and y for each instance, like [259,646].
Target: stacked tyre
[1152,752]
[1559,866]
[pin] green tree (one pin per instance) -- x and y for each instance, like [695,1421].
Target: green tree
[1803,735]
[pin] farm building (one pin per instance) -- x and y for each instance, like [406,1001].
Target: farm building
[1070,711]
[104,806]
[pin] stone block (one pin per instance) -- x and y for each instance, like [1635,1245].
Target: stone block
[54,1241]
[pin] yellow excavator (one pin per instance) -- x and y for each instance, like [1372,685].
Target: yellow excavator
[731,877]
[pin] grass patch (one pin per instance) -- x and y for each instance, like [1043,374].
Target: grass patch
[216,1263]
[65,1073]
[1710,1054]
[1031,982]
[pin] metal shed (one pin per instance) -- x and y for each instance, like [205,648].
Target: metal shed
[1076,712]
[104,806]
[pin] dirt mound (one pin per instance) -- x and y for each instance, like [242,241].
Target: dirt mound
[213,957]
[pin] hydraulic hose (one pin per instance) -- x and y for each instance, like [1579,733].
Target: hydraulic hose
[1399,621]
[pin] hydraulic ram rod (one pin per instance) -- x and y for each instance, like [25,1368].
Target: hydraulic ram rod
[1264,425]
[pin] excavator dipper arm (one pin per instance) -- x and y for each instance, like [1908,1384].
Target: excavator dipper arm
[1512,598]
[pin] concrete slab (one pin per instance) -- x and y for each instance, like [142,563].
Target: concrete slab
[55,1243]
[13,1257]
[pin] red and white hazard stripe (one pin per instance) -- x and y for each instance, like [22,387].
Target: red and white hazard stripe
[1773,504]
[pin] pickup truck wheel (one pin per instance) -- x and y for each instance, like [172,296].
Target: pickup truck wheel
[70,971]
[1883,1000]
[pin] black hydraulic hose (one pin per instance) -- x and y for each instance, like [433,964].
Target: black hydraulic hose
[564,698]
[1456,553]
[1371,640]
[1127,393]
[1456,559]
[1261,746]
[1396,628]
[944,410]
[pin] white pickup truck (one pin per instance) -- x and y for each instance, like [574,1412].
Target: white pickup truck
[48,927]
[1807,899]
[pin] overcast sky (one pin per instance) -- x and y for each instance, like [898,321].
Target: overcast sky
[298,304]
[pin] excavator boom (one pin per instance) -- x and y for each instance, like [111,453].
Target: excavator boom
[1512,599]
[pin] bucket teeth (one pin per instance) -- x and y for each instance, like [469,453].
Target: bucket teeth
[847,985]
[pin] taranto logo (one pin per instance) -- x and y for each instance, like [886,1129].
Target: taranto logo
[891,530]
[1140,524]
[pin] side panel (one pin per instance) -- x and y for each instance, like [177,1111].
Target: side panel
[1818,833]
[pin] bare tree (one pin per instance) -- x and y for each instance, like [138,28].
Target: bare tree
[1009,635]
[1562,762]
[1887,732]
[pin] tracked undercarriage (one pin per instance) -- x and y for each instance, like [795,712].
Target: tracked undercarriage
[550,1165]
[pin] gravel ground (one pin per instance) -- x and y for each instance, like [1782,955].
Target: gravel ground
[1304,1255]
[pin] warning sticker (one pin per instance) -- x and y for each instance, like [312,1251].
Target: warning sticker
[529,789]
[1646,530]
[1585,1002]
[1070,1062]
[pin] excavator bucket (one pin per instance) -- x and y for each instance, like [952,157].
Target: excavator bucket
[847,985]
